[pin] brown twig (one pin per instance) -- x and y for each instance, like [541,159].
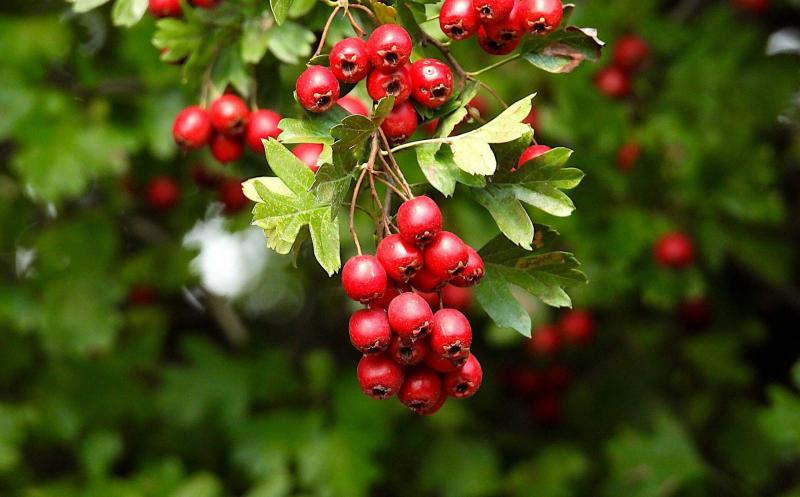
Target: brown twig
[445,51]
[325,31]
[356,26]
[399,173]
[366,10]
[391,187]
[353,210]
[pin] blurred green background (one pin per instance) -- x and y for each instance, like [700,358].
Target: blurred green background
[164,352]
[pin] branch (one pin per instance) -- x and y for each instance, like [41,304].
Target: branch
[325,31]
[228,320]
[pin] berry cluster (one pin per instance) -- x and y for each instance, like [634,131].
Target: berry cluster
[499,24]
[383,60]
[410,351]
[630,55]
[172,8]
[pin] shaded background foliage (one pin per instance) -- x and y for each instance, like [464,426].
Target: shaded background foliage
[128,370]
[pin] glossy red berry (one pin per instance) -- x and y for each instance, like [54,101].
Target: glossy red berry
[309,153]
[446,255]
[389,47]
[419,220]
[509,30]
[263,124]
[226,148]
[389,293]
[317,89]
[430,411]
[399,258]
[465,381]
[229,114]
[613,82]
[443,364]
[379,376]
[496,45]
[363,278]
[531,153]
[577,326]
[406,352]
[354,105]
[421,389]
[400,124]
[628,154]
[231,195]
[162,193]
[165,8]
[540,16]
[349,60]
[754,6]
[432,81]
[473,271]
[455,297]
[395,83]
[451,334]
[410,316]
[192,127]
[493,11]
[674,250]
[369,331]
[458,19]
[426,282]
[545,341]
[631,52]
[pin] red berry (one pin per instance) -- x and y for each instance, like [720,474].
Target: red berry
[379,376]
[509,30]
[674,250]
[545,341]
[349,60]
[309,153]
[628,154]
[369,331]
[192,127]
[396,83]
[432,81]
[432,298]
[204,177]
[205,4]
[421,389]
[540,16]
[229,114]
[613,82]
[162,193]
[495,45]
[454,297]
[446,255]
[473,271]
[531,153]
[401,123]
[458,19]
[407,353]
[695,313]
[426,282]
[430,411]
[231,195]
[631,52]
[226,148]
[165,8]
[443,364]
[354,105]
[493,11]
[142,294]
[577,326]
[389,293]
[419,220]
[533,118]
[547,409]
[451,334]
[363,278]
[754,6]
[523,382]
[263,124]
[410,316]
[389,47]
[317,89]
[465,381]
[399,258]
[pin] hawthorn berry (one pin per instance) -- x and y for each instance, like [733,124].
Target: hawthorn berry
[433,409]
[419,220]
[401,123]
[263,124]
[465,381]
[399,258]
[455,297]
[407,353]
[396,83]
[545,341]
[162,193]
[369,331]
[557,378]
[226,148]
[165,8]
[473,271]
[349,60]
[192,127]
[309,153]
[458,19]
[432,81]
[631,52]
[674,250]
[451,334]
[432,298]
[229,114]
[523,382]
[317,89]
[363,278]
[379,376]
[495,46]
[695,313]
[540,16]
[508,31]
[446,255]
[493,11]
[577,326]
[230,193]
[628,154]
[389,293]
[410,316]
[203,177]
[531,153]
[421,389]
[754,6]
[443,364]
[389,47]
[613,82]
[354,105]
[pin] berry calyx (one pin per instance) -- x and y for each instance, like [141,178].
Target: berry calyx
[473,271]
[230,193]
[465,381]
[577,326]
[401,123]
[379,376]
[613,82]
[419,220]
[263,124]
[627,155]
[389,47]
[349,60]
[165,8]
[674,250]
[354,105]
[421,389]
[451,334]
[458,19]
[399,258]
[363,278]
[493,11]
[229,114]
[631,52]
[432,81]
[369,331]
[446,255]
[309,153]
[162,193]
[410,316]
[407,353]
[540,16]
[395,83]
[226,148]
[544,341]
[531,153]
[317,89]
[496,45]
[192,127]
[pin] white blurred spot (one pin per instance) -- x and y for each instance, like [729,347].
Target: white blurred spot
[786,40]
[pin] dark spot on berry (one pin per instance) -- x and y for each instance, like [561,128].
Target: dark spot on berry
[539,27]
[456,31]
[373,349]
[462,387]
[416,405]
[380,392]
[454,349]
[406,352]
[486,11]
[496,44]
[323,102]
[460,362]
[391,58]
[348,67]
[507,35]
[394,87]
[439,92]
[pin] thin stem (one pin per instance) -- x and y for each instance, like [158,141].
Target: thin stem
[325,31]
[420,142]
[392,188]
[366,10]
[387,205]
[493,66]
[353,210]
[394,164]
[493,93]
[356,27]
[445,50]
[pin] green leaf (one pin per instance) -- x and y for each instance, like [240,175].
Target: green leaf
[384,107]
[256,36]
[280,9]
[386,14]
[352,132]
[291,42]
[508,125]
[230,69]
[563,50]
[781,420]
[128,12]
[315,128]
[461,467]
[201,485]
[331,184]
[508,213]
[553,473]
[474,156]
